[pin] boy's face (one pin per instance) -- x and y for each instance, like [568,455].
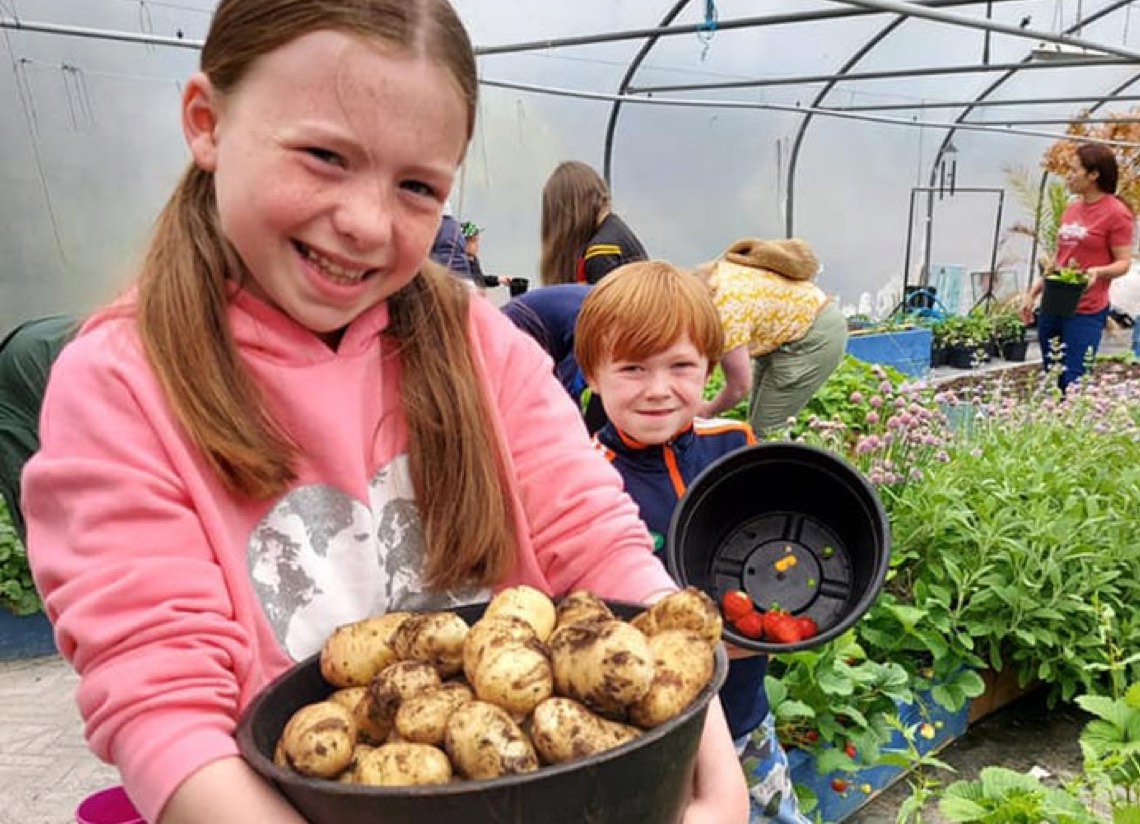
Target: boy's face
[654,398]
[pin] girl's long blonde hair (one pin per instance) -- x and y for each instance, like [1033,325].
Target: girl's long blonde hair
[456,462]
[573,201]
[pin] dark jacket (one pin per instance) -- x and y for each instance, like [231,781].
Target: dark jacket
[656,476]
[613,244]
[26,357]
[450,248]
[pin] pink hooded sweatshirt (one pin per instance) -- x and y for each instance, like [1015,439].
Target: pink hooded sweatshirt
[177,602]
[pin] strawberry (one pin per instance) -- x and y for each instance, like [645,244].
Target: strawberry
[851,750]
[840,785]
[808,627]
[736,604]
[751,625]
[781,627]
[811,736]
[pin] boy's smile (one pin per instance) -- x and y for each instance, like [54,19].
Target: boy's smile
[653,398]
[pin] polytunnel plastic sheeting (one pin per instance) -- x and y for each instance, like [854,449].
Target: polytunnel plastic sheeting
[92,144]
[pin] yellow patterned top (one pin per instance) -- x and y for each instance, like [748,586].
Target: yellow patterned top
[762,309]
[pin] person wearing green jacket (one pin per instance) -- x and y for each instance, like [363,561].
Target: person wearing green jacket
[26,356]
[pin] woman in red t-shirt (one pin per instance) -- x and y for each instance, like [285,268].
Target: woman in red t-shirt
[1095,236]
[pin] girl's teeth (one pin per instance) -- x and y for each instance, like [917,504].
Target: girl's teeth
[333,270]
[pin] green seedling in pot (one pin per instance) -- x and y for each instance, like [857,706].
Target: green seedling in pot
[1069,274]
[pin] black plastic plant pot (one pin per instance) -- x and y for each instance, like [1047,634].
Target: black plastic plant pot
[795,527]
[1015,350]
[518,286]
[1060,298]
[645,780]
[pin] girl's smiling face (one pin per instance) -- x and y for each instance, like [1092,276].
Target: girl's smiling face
[331,160]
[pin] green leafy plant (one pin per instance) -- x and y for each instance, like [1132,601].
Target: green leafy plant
[17,590]
[827,698]
[1067,274]
[1111,746]
[1002,796]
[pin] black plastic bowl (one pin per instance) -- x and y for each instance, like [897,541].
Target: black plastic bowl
[765,504]
[646,780]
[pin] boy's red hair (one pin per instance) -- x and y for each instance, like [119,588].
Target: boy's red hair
[642,308]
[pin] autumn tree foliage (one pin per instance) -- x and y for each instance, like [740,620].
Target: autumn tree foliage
[1062,154]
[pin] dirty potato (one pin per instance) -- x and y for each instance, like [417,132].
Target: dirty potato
[582,607]
[403,765]
[349,697]
[355,652]
[690,609]
[318,739]
[349,774]
[422,719]
[526,603]
[562,729]
[505,630]
[484,742]
[607,666]
[394,684]
[684,663]
[435,638]
[515,676]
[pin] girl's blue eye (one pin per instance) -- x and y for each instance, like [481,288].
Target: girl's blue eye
[325,155]
[419,188]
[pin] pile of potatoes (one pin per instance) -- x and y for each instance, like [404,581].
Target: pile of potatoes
[426,699]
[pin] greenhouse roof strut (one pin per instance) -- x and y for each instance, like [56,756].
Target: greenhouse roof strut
[884,74]
[915,10]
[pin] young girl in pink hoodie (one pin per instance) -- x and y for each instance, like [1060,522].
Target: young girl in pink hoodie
[293,420]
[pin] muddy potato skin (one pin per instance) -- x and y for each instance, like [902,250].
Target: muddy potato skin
[528,604]
[403,765]
[435,638]
[516,677]
[484,742]
[690,609]
[562,730]
[348,697]
[505,630]
[422,719]
[318,740]
[606,666]
[582,607]
[684,663]
[396,683]
[356,652]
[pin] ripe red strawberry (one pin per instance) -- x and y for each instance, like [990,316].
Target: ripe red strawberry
[808,627]
[781,627]
[751,625]
[851,750]
[840,785]
[812,736]
[736,604]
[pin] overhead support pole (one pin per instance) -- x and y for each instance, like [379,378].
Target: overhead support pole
[694,28]
[883,74]
[926,13]
[981,104]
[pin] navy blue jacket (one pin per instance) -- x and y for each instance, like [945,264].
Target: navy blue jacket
[656,476]
[450,248]
[548,315]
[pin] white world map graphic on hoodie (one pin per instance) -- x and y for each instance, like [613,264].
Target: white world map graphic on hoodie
[320,558]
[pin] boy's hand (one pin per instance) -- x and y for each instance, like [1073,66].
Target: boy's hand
[735,652]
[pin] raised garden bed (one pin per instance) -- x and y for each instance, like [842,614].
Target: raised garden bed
[25,636]
[907,350]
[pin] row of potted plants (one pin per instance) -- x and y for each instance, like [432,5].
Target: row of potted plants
[963,341]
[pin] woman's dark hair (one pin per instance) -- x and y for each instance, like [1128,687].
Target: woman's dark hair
[1098,158]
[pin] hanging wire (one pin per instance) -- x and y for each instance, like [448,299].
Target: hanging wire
[146,23]
[27,105]
[78,98]
[707,29]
